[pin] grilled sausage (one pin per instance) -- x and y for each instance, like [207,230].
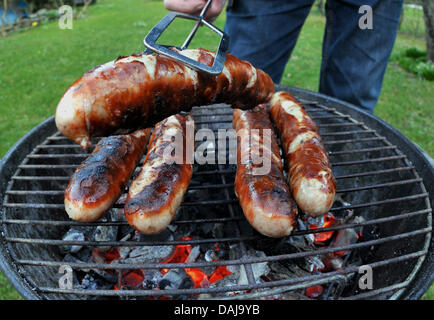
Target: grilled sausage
[158,190]
[311,179]
[139,90]
[100,180]
[265,198]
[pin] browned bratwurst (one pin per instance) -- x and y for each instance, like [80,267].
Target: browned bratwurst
[100,180]
[157,192]
[311,179]
[138,91]
[265,198]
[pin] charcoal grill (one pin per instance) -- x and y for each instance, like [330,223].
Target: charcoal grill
[385,178]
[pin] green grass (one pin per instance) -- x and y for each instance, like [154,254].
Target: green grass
[38,65]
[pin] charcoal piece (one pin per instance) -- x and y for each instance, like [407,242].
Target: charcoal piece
[84,254]
[259,269]
[148,254]
[73,234]
[105,233]
[93,281]
[194,254]
[152,278]
[176,279]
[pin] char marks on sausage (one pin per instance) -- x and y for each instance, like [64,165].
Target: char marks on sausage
[157,192]
[100,179]
[310,175]
[139,90]
[265,198]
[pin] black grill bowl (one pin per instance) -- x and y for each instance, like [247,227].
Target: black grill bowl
[385,177]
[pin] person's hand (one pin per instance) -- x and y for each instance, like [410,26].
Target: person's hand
[195,7]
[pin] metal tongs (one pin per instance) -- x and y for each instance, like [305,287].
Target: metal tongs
[156,32]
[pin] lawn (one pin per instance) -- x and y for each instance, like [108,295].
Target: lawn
[38,65]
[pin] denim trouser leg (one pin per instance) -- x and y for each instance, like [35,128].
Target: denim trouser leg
[264,32]
[354,60]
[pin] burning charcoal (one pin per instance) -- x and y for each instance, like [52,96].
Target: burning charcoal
[325,221]
[152,278]
[105,233]
[294,270]
[145,254]
[148,254]
[314,292]
[110,278]
[124,251]
[344,237]
[72,235]
[278,271]
[92,281]
[345,214]
[194,254]
[308,237]
[229,280]
[332,262]
[131,279]
[176,279]
[259,269]
[358,219]
[314,263]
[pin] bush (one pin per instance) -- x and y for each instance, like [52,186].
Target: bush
[414,61]
[426,70]
[415,53]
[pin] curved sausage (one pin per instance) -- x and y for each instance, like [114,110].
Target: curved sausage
[311,179]
[100,180]
[138,91]
[157,192]
[265,198]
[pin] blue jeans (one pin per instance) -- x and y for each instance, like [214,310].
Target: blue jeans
[354,60]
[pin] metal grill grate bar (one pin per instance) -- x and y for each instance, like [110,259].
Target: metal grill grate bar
[215,202]
[339,136]
[331,276]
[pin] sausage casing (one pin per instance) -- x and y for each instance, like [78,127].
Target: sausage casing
[265,198]
[310,175]
[157,192]
[100,180]
[139,90]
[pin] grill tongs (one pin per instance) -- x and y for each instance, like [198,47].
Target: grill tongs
[156,32]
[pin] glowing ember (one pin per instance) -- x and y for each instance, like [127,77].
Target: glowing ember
[132,279]
[219,273]
[200,278]
[105,257]
[314,291]
[321,237]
